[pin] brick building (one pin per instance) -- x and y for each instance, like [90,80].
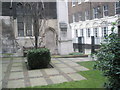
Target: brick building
[88,19]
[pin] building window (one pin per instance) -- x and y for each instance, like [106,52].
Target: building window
[95,32]
[28,26]
[88,32]
[76,32]
[76,17]
[95,12]
[105,10]
[80,16]
[104,31]
[80,1]
[73,17]
[117,7]
[20,24]
[73,2]
[81,33]
[86,15]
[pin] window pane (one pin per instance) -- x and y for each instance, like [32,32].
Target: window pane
[81,32]
[20,32]
[105,31]
[20,26]
[28,26]
[105,10]
[117,4]
[76,33]
[88,32]
[96,32]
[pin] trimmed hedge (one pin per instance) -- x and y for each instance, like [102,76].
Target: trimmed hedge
[38,58]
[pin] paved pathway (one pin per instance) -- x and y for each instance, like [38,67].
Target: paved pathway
[15,73]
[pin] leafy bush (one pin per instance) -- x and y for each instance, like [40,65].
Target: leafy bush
[38,58]
[109,60]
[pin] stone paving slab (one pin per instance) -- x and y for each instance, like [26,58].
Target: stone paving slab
[67,61]
[38,81]
[72,64]
[16,83]
[51,71]
[76,76]
[5,61]
[16,64]
[35,73]
[3,74]
[16,75]
[1,85]
[5,65]
[17,61]
[81,68]
[17,69]
[61,65]
[55,61]
[58,79]
[81,59]
[67,70]
[4,69]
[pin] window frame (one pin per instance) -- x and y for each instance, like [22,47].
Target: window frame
[96,32]
[117,7]
[81,32]
[73,3]
[88,32]
[87,14]
[103,31]
[73,18]
[105,10]
[95,12]
[20,28]
[80,1]
[27,24]
[76,32]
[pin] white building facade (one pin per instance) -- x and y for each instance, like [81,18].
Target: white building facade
[93,24]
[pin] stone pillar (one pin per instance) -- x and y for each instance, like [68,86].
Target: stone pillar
[15,28]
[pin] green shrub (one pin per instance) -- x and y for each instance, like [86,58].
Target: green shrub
[108,60]
[38,58]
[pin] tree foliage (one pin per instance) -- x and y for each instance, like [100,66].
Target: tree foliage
[108,60]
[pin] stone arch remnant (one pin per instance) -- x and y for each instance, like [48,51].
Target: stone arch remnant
[51,40]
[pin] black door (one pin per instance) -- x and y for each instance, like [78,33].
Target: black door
[80,44]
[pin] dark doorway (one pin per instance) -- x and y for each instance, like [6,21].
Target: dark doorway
[81,44]
[119,30]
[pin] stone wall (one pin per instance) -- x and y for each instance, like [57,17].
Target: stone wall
[8,40]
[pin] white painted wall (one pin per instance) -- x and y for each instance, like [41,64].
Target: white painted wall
[92,24]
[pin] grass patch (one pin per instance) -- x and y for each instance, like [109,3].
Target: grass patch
[94,79]
[69,56]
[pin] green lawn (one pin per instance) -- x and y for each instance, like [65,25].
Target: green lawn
[94,79]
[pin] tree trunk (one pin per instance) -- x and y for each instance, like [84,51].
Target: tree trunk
[36,31]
